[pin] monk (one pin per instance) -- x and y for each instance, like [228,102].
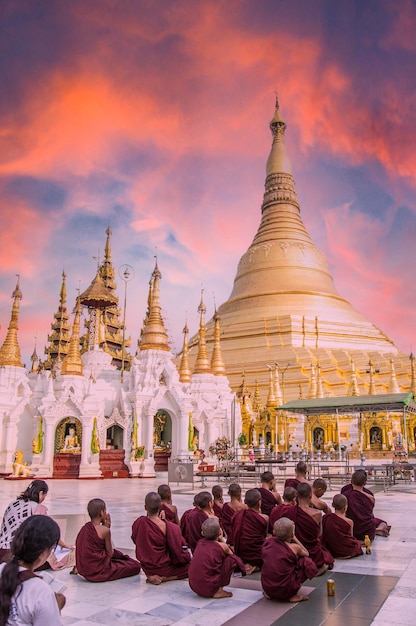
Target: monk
[192,519]
[96,559]
[167,510]
[160,547]
[286,564]
[229,508]
[289,500]
[337,531]
[300,475]
[218,495]
[250,530]
[213,563]
[360,508]
[319,488]
[308,527]
[269,494]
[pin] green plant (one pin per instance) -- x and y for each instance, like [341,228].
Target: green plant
[242,439]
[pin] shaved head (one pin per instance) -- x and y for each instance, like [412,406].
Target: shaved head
[152,503]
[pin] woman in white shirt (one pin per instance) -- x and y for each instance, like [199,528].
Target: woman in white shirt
[25,599]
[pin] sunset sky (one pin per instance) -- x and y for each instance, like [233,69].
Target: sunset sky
[152,117]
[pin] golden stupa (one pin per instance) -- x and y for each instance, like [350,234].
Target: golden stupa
[284,309]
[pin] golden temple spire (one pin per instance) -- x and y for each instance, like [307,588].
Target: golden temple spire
[202,364]
[257,399]
[372,370]
[59,338]
[271,397]
[277,390]
[72,363]
[154,336]
[10,351]
[413,374]
[313,386]
[107,248]
[278,160]
[243,392]
[319,388]
[354,389]
[184,369]
[217,362]
[34,359]
[394,385]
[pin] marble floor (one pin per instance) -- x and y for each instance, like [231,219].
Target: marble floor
[378,589]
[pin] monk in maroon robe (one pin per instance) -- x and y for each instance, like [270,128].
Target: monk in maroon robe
[337,531]
[289,500]
[360,508]
[229,509]
[269,494]
[170,512]
[300,474]
[286,564]
[308,528]
[193,519]
[218,502]
[96,559]
[250,530]
[160,547]
[213,563]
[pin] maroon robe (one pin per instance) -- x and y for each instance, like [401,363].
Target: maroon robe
[160,554]
[360,510]
[169,514]
[283,571]
[291,482]
[249,533]
[211,568]
[94,564]
[217,510]
[268,501]
[336,536]
[191,523]
[279,511]
[307,531]
[226,522]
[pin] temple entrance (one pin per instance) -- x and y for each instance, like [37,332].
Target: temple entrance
[114,438]
[162,439]
[376,438]
[268,437]
[112,463]
[318,438]
[67,448]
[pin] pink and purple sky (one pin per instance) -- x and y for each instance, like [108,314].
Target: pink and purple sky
[153,117]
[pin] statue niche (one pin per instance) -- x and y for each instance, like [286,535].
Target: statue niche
[376,438]
[68,437]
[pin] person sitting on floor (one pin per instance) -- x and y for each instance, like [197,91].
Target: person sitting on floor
[360,508]
[24,597]
[213,563]
[229,508]
[301,470]
[289,500]
[217,494]
[319,488]
[168,510]
[337,531]
[286,564]
[249,530]
[192,519]
[308,528]
[269,494]
[96,559]
[160,547]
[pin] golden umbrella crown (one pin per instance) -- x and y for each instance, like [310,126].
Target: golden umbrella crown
[97,295]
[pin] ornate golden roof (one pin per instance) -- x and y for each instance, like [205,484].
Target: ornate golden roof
[217,362]
[59,338]
[97,295]
[184,369]
[72,363]
[154,335]
[10,351]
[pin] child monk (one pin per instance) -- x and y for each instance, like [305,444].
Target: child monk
[361,503]
[286,564]
[229,508]
[218,495]
[289,500]
[269,494]
[213,563]
[250,530]
[96,559]
[192,519]
[300,475]
[319,488]
[168,510]
[337,531]
[160,547]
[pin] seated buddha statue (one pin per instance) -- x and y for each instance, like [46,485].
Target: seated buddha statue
[71,443]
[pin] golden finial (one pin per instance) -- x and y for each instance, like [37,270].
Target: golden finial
[354,388]
[154,335]
[107,249]
[372,370]
[313,387]
[10,351]
[202,364]
[184,369]
[256,398]
[319,389]
[271,398]
[217,362]
[72,363]
[34,358]
[277,390]
[394,385]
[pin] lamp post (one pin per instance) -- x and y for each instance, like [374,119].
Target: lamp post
[126,273]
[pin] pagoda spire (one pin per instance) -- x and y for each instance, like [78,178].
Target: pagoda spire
[277,389]
[217,362]
[354,389]
[372,370]
[271,397]
[257,399]
[72,363]
[154,336]
[10,351]
[59,338]
[34,360]
[184,369]
[202,364]
[106,267]
[319,388]
[313,385]
[394,385]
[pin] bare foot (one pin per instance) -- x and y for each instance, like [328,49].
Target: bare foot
[222,594]
[298,598]
[266,596]
[74,570]
[154,580]
[250,569]
[322,569]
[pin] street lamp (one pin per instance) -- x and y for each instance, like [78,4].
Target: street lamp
[126,273]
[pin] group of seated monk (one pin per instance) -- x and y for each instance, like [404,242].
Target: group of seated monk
[289,539]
